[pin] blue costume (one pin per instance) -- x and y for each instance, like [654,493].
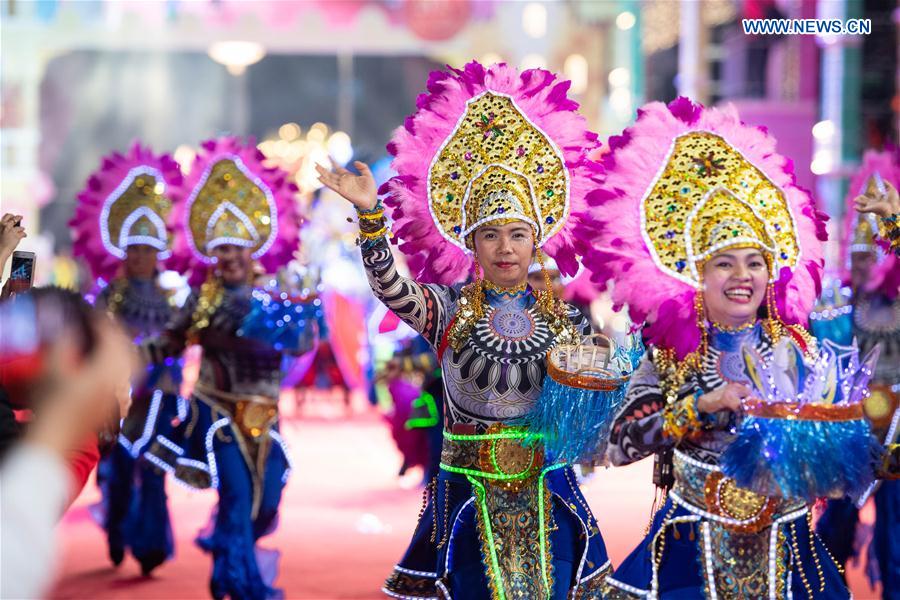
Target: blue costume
[119,229]
[229,439]
[137,516]
[489,148]
[735,543]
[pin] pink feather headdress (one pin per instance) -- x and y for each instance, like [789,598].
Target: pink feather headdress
[126,201]
[231,197]
[859,229]
[436,174]
[652,257]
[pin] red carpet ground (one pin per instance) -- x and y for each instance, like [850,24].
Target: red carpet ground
[344,521]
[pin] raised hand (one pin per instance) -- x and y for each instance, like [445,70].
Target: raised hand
[11,233]
[360,189]
[873,201]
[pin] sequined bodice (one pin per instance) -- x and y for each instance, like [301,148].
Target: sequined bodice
[723,364]
[498,372]
[235,364]
[638,429]
[876,320]
[497,375]
[143,307]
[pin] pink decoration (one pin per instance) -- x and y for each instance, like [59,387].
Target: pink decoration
[542,99]
[885,274]
[619,253]
[87,229]
[436,20]
[187,258]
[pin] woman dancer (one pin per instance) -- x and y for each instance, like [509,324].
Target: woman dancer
[489,170]
[234,211]
[119,229]
[701,205]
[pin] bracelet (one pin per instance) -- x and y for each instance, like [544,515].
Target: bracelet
[378,208]
[372,216]
[371,225]
[371,235]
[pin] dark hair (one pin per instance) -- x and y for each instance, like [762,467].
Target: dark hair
[32,321]
[58,305]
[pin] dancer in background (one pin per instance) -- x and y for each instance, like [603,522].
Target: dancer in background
[489,171]
[868,311]
[119,229]
[709,241]
[234,211]
[883,201]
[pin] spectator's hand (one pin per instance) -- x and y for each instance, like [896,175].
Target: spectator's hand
[873,201]
[81,392]
[11,233]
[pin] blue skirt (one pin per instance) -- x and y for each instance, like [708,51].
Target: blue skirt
[684,552]
[209,450]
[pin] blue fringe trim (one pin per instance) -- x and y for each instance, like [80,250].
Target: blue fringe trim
[802,458]
[283,322]
[574,423]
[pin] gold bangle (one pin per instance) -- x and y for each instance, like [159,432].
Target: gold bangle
[370,226]
[373,216]
[374,234]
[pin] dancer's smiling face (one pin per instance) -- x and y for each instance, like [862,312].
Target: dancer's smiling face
[232,263]
[734,286]
[505,252]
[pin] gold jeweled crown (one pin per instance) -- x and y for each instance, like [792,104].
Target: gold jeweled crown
[865,234]
[137,214]
[708,197]
[231,206]
[496,167]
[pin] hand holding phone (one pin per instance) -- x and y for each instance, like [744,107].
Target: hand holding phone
[21,273]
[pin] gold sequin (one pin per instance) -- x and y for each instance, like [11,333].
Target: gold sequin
[227,183]
[496,164]
[143,191]
[708,198]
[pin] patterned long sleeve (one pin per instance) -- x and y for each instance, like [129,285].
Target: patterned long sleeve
[638,428]
[425,308]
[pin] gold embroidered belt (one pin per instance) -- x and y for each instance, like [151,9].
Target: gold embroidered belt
[703,489]
[254,415]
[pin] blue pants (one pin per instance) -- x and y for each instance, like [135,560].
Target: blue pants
[137,513]
[236,573]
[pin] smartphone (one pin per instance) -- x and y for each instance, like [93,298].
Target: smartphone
[21,273]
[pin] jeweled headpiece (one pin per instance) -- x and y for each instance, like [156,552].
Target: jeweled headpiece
[488,145]
[861,230]
[125,202]
[231,197]
[683,183]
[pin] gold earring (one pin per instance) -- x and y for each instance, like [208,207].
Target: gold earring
[548,301]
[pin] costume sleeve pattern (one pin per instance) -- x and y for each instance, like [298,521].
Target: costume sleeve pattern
[425,308]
